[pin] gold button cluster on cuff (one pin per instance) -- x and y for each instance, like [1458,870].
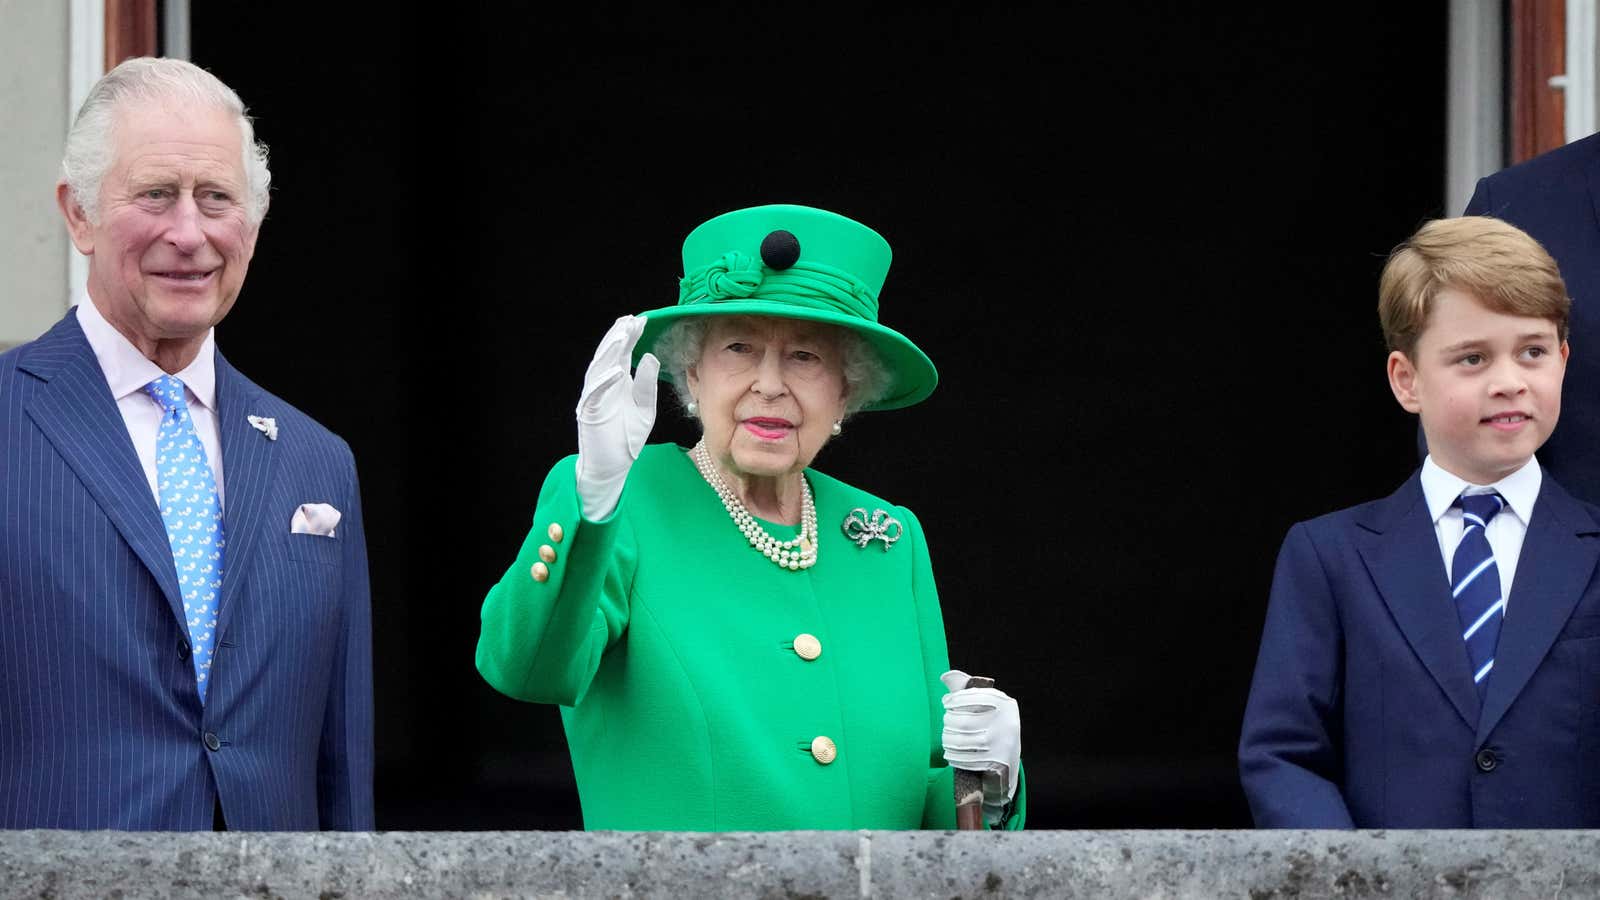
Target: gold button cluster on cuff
[555,532]
[807,647]
[823,749]
[547,553]
[541,572]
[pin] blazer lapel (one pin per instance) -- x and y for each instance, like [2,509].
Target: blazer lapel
[1401,552]
[1558,560]
[248,459]
[76,412]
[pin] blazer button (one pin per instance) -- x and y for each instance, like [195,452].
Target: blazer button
[183,649]
[555,532]
[547,553]
[541,572]
[823,749]
[211,742]
[807,647]
[1487,760]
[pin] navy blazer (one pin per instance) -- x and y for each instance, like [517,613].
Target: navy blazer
[1556,198]
[101,724]
[1363,711]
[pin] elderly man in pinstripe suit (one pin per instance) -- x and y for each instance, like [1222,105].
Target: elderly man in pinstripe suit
[185,636]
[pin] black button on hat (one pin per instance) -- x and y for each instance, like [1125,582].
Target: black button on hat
[780,249]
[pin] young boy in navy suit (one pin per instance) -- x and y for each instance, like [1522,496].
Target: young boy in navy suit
[1432,659]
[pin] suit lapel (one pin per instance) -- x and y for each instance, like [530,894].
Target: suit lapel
[78,415]
[1558,559]
[1401,552]
[248,462]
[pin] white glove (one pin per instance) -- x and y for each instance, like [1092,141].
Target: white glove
[615,413]
[983,733]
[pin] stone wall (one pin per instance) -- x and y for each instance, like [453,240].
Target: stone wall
[1254,864]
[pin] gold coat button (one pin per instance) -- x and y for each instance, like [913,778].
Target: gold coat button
[547,553]
[823,749]
[555,532]
[807,647]
[541,572]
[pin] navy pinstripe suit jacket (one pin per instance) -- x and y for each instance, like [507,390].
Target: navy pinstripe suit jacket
[101,725]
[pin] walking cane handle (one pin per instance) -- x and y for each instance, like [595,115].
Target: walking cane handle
[969,785]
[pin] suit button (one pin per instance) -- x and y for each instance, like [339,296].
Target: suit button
[1486,760]
[547,553]
[823,749]
[541,572]
[807,647]
[183,649]
[211,742]
[555,532]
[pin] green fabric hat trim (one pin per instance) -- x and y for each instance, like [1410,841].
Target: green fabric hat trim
[745,263]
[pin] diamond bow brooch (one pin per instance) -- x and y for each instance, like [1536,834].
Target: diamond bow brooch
[880,526]
[268,427]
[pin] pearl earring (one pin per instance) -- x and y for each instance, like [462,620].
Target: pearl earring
[838,426]
[692,408]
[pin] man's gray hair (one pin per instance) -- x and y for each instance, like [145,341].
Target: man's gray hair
[866,377]
[90,143]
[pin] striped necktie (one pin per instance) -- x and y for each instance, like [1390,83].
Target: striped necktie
[1475,584]
[193,516]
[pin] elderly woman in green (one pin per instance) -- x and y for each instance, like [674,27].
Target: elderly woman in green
[738,641]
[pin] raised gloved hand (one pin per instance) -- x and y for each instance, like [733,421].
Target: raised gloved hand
[615,413]
[983,733]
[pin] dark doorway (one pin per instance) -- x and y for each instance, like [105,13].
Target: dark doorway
[1142,248]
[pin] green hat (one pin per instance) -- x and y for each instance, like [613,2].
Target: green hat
[795,262]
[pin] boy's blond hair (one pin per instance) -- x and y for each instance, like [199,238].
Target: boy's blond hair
[1498,264]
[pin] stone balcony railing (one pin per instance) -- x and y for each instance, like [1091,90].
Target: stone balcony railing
[807,864]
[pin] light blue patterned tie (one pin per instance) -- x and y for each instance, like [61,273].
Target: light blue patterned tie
[1475,584]
[193,515]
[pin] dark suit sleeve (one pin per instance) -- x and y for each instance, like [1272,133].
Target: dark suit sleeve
[1480,204]
[344,765]
[1290,759]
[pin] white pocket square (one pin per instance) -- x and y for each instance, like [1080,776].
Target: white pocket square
[315,518]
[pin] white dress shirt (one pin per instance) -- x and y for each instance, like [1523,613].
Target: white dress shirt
[1506,530]
[127,371]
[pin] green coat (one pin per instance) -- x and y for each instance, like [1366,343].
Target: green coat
[670,644]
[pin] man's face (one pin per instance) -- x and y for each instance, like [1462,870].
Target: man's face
[1486,384]
[173,241]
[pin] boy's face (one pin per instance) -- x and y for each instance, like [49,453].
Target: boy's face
[1486,384]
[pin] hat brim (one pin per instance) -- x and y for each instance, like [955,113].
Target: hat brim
[912,375]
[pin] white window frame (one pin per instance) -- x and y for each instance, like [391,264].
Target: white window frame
[1475,99]
[1579,81]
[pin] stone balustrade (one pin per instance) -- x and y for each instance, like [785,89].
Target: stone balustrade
[810,864]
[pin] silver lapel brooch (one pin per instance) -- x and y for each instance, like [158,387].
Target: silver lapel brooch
[880,526]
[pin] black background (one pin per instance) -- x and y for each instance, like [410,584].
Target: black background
[1142,247]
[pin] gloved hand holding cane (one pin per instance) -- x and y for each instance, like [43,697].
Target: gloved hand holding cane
[982,734]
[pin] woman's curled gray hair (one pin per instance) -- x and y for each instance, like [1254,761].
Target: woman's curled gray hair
[90,145]
[866,377]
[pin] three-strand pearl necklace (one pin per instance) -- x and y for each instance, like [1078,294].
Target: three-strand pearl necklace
[800,553]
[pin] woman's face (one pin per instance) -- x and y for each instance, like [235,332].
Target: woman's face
[769,391]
